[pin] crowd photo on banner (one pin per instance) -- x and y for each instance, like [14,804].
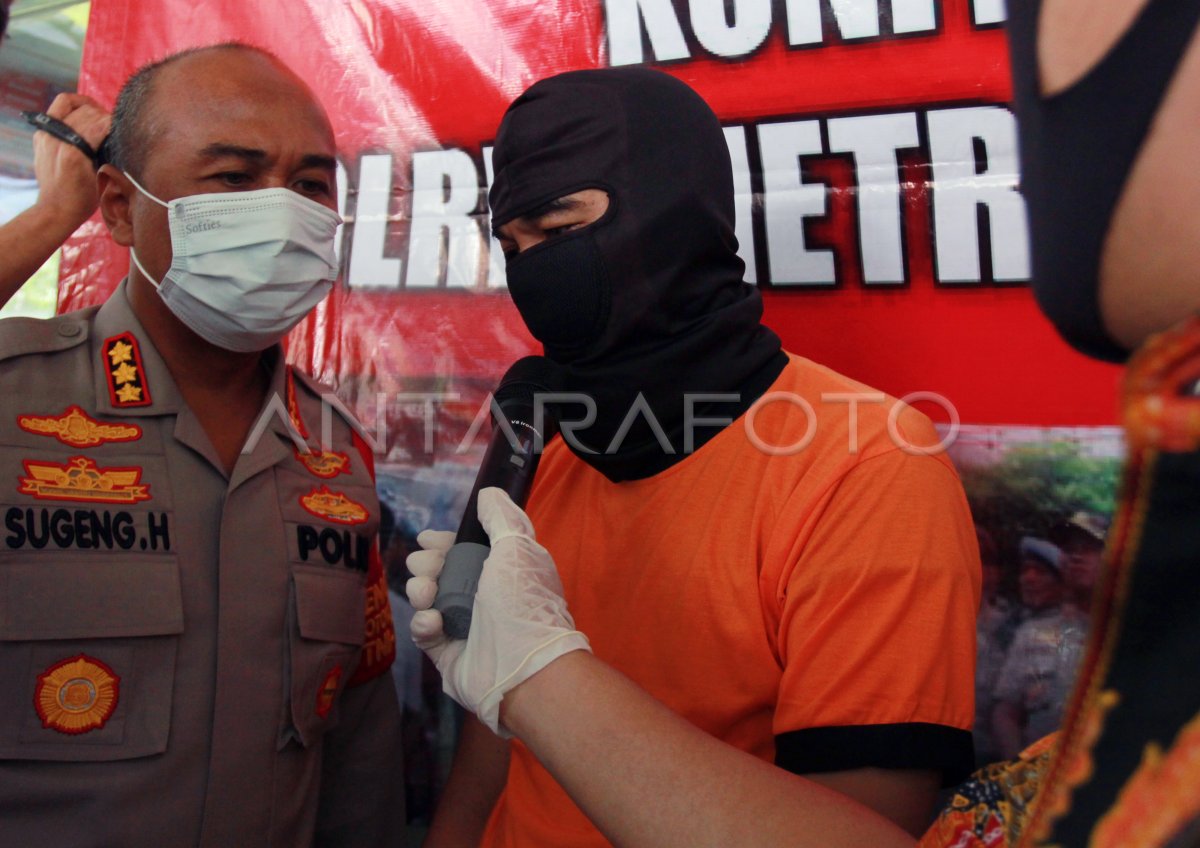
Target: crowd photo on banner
[829,408]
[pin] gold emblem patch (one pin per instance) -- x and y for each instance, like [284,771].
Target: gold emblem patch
[122,363]
[327,691]
[82,480]
[77,429]
[325,464]
[76,695]
[334,506]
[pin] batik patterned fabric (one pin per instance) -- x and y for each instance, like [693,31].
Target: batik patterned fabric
[1124,771]
[1127,769]
[991,808]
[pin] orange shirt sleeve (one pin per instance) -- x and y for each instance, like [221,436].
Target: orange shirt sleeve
[877,616]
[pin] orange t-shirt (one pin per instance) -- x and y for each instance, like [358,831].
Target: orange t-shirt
[762,593]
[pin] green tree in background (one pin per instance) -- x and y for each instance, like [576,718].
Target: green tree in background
[38,297]
[1034,487]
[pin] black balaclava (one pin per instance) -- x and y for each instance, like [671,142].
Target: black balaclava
[650,298]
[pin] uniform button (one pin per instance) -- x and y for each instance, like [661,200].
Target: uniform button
[69,330]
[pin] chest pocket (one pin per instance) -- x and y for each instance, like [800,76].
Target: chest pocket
[87,657]
[326,639]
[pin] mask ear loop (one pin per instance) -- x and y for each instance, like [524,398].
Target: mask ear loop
[138,186]
[149,279]
[132,252]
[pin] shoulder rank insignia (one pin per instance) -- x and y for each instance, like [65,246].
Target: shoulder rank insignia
[76,695]
[82,480]
[77,429]
[328,689]
[122,362]
[325,464]
[334,506]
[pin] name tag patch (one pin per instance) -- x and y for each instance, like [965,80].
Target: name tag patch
[85,529]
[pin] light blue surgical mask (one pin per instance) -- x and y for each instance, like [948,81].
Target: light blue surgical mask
[246,266]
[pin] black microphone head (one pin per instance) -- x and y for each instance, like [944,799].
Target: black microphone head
[524,380]
[528,376]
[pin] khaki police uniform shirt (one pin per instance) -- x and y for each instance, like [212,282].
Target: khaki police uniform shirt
[1040,668]
[183,655]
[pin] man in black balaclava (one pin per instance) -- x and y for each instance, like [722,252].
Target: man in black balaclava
[650,298]
[802,587]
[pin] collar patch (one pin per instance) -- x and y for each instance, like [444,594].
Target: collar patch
[80,479]
[122,363]
[77,429]
[76,695]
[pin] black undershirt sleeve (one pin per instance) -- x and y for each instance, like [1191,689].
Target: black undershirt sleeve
[916,745]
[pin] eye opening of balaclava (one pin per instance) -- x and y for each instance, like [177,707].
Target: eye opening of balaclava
[531,204]
[679,319]
[561,286]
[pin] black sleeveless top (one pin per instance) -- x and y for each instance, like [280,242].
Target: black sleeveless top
[1077,149]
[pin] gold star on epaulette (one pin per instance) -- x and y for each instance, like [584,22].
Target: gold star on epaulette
[120,352]
[129,394]
[125,374]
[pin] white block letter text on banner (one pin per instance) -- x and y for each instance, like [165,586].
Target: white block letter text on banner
[973,152]
[788,200]
[751,21]
[874,140]
[743,199]
[369,268]
[445,241]
[624,25]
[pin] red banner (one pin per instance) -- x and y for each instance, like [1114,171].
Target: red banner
[874,157]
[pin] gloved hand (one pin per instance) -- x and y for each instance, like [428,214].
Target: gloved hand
[519,623]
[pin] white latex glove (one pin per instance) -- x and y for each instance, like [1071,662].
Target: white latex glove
[519,623]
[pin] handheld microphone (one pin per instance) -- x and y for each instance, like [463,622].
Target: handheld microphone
[521,428]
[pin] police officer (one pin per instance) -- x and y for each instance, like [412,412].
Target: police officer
[194,630]
[1041,662]
[1081,539]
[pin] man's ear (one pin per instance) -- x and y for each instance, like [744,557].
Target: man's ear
[116,195]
